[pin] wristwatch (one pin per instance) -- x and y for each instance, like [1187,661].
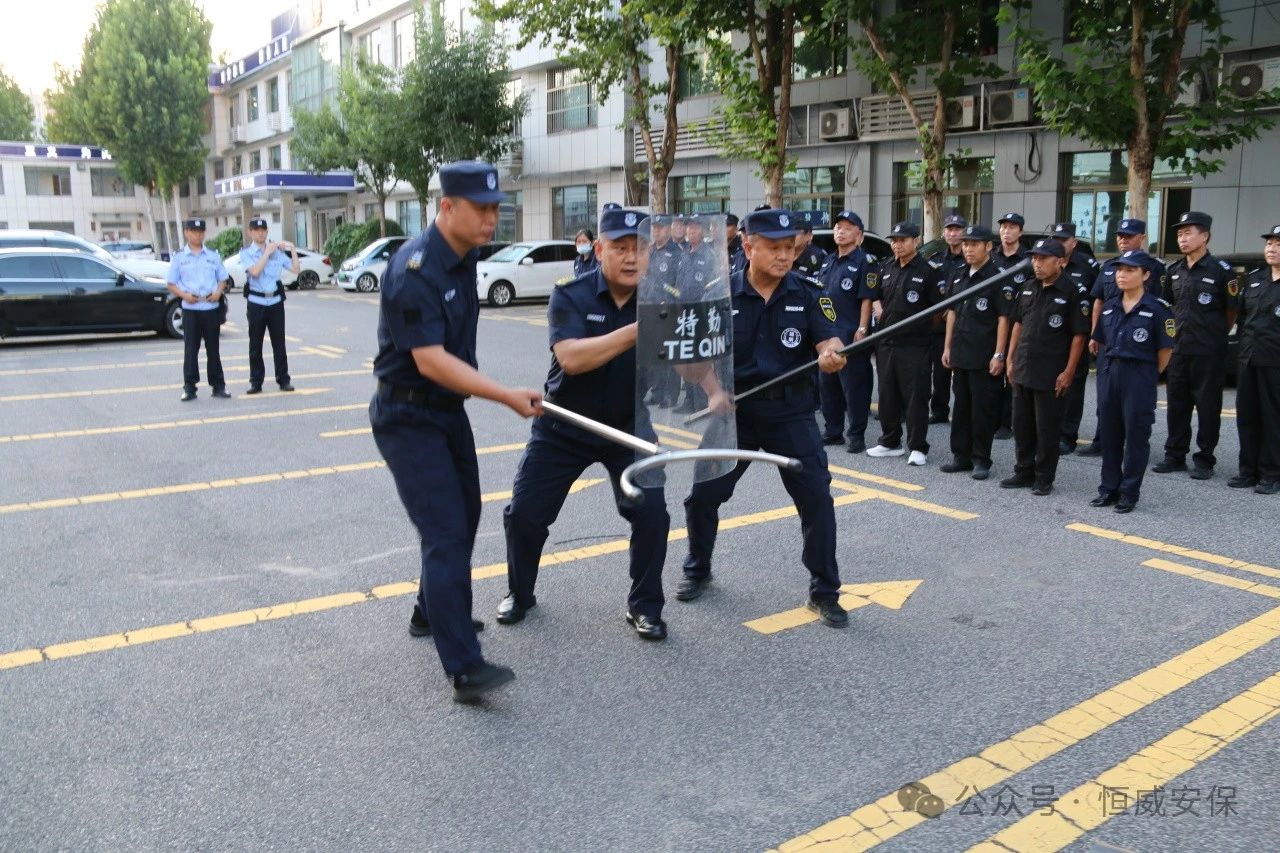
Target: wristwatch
[862,329]
[998,356]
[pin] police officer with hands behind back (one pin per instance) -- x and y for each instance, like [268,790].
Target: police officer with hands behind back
[844,282]
[266,261]
[1007,254]
[778,322]
[950,261]
[198,278]
[426,368]
[592,323]
[1258,383]
[1080,271]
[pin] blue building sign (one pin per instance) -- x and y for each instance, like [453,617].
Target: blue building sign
[40,151]
[284,181]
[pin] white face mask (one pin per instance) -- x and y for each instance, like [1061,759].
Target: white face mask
[584,249]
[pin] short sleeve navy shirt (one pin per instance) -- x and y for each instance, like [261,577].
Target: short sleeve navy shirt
[584,308]
[1136,335]
[844,282]
[770,338]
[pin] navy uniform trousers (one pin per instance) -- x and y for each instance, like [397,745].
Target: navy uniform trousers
[267,320]
[1258,422]
[904,392]
[1126,413]
[1037,422]
[1073,408]
[432,457]
[977,414]
[847,392]
[198,327]
[761,427]
[556,456]
[1195,381]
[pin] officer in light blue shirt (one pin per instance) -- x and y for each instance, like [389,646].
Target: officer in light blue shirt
[197,277]
[264,263]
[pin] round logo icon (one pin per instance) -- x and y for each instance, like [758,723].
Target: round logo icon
[492,181]
[913,296]
[662,267]
[630,219]
[1204,298]
[698,277]
[784,220]
[1140,335]
[981,304]
[846,284]
[791,338]
[1055,321]
[1277,311]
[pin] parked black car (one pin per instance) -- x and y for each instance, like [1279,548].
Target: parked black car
[63,292]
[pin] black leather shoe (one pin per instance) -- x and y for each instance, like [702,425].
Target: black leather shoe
[955,466]
[1017,482]
[980,471]
[254,389]
[1066,448]
[1168,465]
[646,628]
[1003,434]
[1201,472]
[285,386]
[1242,482]
[419,626]
[690,588]
[1093,448]
[829,611]
[1271,487]
[470,687]
[830,440]
[511,611]
[221,394]
[187,396]
[939,419]
[1042,489]
[1104,499]
[856,445]
[1124,506]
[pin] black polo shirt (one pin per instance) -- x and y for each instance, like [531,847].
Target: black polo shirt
[973,335]
[771,338]
[1201,295]
[1051,319]
[1005,261]
[950,263]
[428,298]
[1259,306]
[810,261]
[904,292]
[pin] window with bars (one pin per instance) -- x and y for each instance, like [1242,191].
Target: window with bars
[570,102]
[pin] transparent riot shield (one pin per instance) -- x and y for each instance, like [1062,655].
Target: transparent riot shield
[684,343]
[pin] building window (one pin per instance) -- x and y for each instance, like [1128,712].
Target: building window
[820,53]
[274,159]
[184,189]
[1,183]
[255,161]
[108,183]
[68,227]
[967,190]
[693,74]
[370,212]
[314,80]
[219,170]
[45,181]
[405,46]
[700,193]
[820,188]
[236,163]
[369,47]
[201,186]
[572,208]
[251,103]
[570,105]
[511,218]
[231,114]
[273,95]
[409,215]
[1097,192]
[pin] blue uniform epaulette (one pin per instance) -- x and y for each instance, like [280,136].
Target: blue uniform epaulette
[1225,265]
[935,264]
[808,279]
[570,279]
[1165,303]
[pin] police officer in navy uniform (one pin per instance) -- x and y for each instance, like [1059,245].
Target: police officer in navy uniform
[809,258]
[1008,254]
[593,367]
[844,282]
[264,263]
[778,323]
[664,266]
[426,368]
[1135,333]
[1202,289]
[696,273]
[1258,376]
[733,244]
[1046,344]
[950,261]
[197,277]
[977,337]
[678,229]
[1131,235]
[904,285]
[1081,271]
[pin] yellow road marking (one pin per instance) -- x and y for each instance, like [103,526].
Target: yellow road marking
[107,392]
[1226,413]
[1189,553]
[186,422]
[129,365]
[574,488]
[323,353]
[675,442]
[339,433]
[890,497]
[872,478]
[331,348]
[890,594]
[682,433]
[1078,811]
[879,821]
[26,657]
[291,339]
[513,318]
[1214,577]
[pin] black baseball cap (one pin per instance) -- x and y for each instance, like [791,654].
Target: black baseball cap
[472,180]
[196,224]
[905,229]
[257,222]
[1052,248]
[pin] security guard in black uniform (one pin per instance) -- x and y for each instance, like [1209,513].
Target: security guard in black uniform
[426,368]
[593,366]
[778,323]
[809,258]
[1202,289]
[697,270]
[664,266]
[1007,254]
[1081,271]
[844,282]
[905,284]
[1258,377]
[950,260]
[1131,234]
[1046,344]
[977,337]
[678,227]
[733,244]
[1136,333]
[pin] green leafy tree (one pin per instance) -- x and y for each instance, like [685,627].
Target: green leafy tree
[350,237]
[227,243]
[17,116]
[1117,83]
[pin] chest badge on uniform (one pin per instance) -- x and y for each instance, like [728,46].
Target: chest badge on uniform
[873,280]
[913,297]
[1276,311]
[415,260]
[1084,309]
[1204,298]
[981,304]
[791,338]
[1020,278]
[1140,335]
[828,309]
[1055,321]
[846,284]
[1233,287]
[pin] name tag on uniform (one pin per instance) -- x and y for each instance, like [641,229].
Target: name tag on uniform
[1145,314]
[1059,300]
[913,278]
[1109,310]
[449,294]
[596,318]
[795,308]
[735,312]
[1207,280]
[1254,284]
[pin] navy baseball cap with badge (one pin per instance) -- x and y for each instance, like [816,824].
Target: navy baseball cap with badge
[772,223]
[1134,258]
[1273,234]
[1195,217]
[618,222]
[1131,227]
[978,232]
[954,220]
[1052,248]
[472,180]
[257,222]
[904,229]
[850,217]
[1062,230]
[196,224]
[1016,218]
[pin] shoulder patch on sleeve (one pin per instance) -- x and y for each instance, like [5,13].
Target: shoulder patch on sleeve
[873,280]
[1170,328]
[828,308]
[1165,303]
[1225,265]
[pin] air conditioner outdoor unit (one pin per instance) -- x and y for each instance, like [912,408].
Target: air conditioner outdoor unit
[1188,96]
[837,124]
[237,133]
[273,122]
[960,112]
[1012,106]
[1251,77]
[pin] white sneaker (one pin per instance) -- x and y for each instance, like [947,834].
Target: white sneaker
[880,450]
[917,458]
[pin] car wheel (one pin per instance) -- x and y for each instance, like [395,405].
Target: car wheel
[367,283]
[501,293]
[172,323]
[307,280]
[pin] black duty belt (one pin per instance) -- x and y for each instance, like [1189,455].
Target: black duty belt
[423,397]
[787,391]
[265,295]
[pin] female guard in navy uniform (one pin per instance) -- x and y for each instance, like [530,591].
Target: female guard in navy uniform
[592,323]
[778,321]
[426,368]
[585,243]
[1135,335]
[1258,383]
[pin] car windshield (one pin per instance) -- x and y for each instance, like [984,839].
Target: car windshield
[370,249]
[510,254]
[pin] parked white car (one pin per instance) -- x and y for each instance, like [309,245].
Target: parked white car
[28,238]
[363,270]
[314,268]
[524,269]
[131,249]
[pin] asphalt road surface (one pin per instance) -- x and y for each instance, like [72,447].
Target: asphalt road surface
[203,639]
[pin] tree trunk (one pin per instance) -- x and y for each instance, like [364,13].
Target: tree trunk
[382,211]
[177,213]
[775,172]
[164,220]
[933,182]
[151,220]
[423,202]
[1141,163]
[1141,151]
